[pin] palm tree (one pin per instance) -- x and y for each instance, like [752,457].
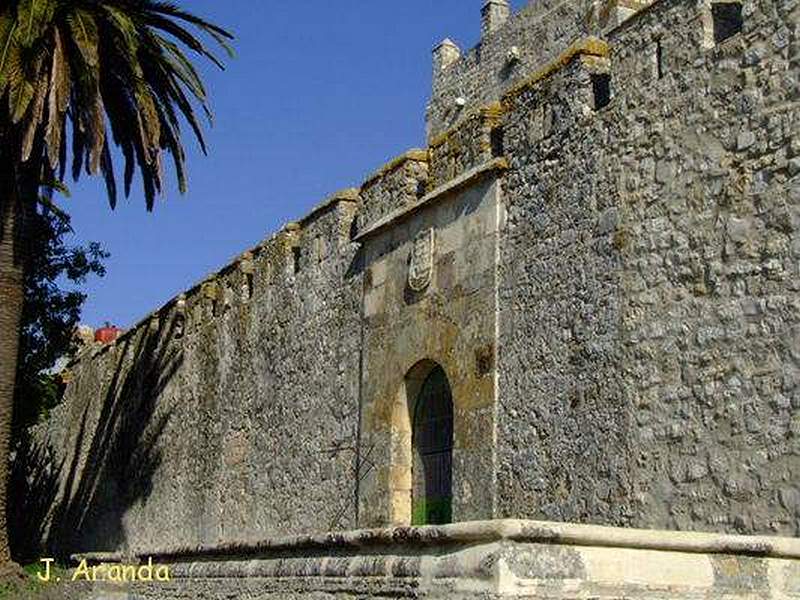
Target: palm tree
[96,71]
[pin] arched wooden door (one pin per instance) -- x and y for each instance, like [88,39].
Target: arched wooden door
[432,438]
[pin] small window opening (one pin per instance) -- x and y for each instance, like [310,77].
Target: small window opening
[496,140]
[248,285]
[180,325]
[296,256]
[727,18]
[659,60]
[601,85]
[422,188]
[320,249]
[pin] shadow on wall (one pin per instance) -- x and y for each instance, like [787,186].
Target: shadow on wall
[77,504]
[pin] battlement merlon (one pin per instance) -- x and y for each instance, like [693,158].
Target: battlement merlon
[494,15]
[445,54]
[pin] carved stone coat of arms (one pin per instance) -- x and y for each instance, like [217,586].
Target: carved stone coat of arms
[420,264]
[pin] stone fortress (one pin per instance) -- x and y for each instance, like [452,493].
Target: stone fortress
[570,327]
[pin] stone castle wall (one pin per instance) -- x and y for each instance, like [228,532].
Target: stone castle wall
[613,296]
[649,278]
[230,413]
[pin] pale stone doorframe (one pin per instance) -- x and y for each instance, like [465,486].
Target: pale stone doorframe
[402,451]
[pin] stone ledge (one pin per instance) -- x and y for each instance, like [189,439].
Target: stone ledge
[485,559]
[566,534]
[497,164]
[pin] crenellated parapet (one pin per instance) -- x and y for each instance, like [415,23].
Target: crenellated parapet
[293,256]
[511,48]
[399,183]
[476,139]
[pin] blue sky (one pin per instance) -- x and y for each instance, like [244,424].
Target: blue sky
[320,94]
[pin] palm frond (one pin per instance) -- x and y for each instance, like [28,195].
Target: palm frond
[58,99]
[8,27]
[83,28]
[107,169]
[34,17]
[172,10]
[40,87]
[103,73]
[184,36]
[184,69]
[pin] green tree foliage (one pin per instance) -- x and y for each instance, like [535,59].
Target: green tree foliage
[50,313]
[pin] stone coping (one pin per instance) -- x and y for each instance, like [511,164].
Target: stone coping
[345,195]
[589,46]
[415,154]
[475,532]
[497,164]
[640,8]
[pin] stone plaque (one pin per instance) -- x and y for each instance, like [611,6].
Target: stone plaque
[420,266]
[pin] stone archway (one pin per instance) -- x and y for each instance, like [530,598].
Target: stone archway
[432,442]
[422,448]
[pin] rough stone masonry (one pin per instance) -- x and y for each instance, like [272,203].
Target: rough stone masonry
[597,255]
